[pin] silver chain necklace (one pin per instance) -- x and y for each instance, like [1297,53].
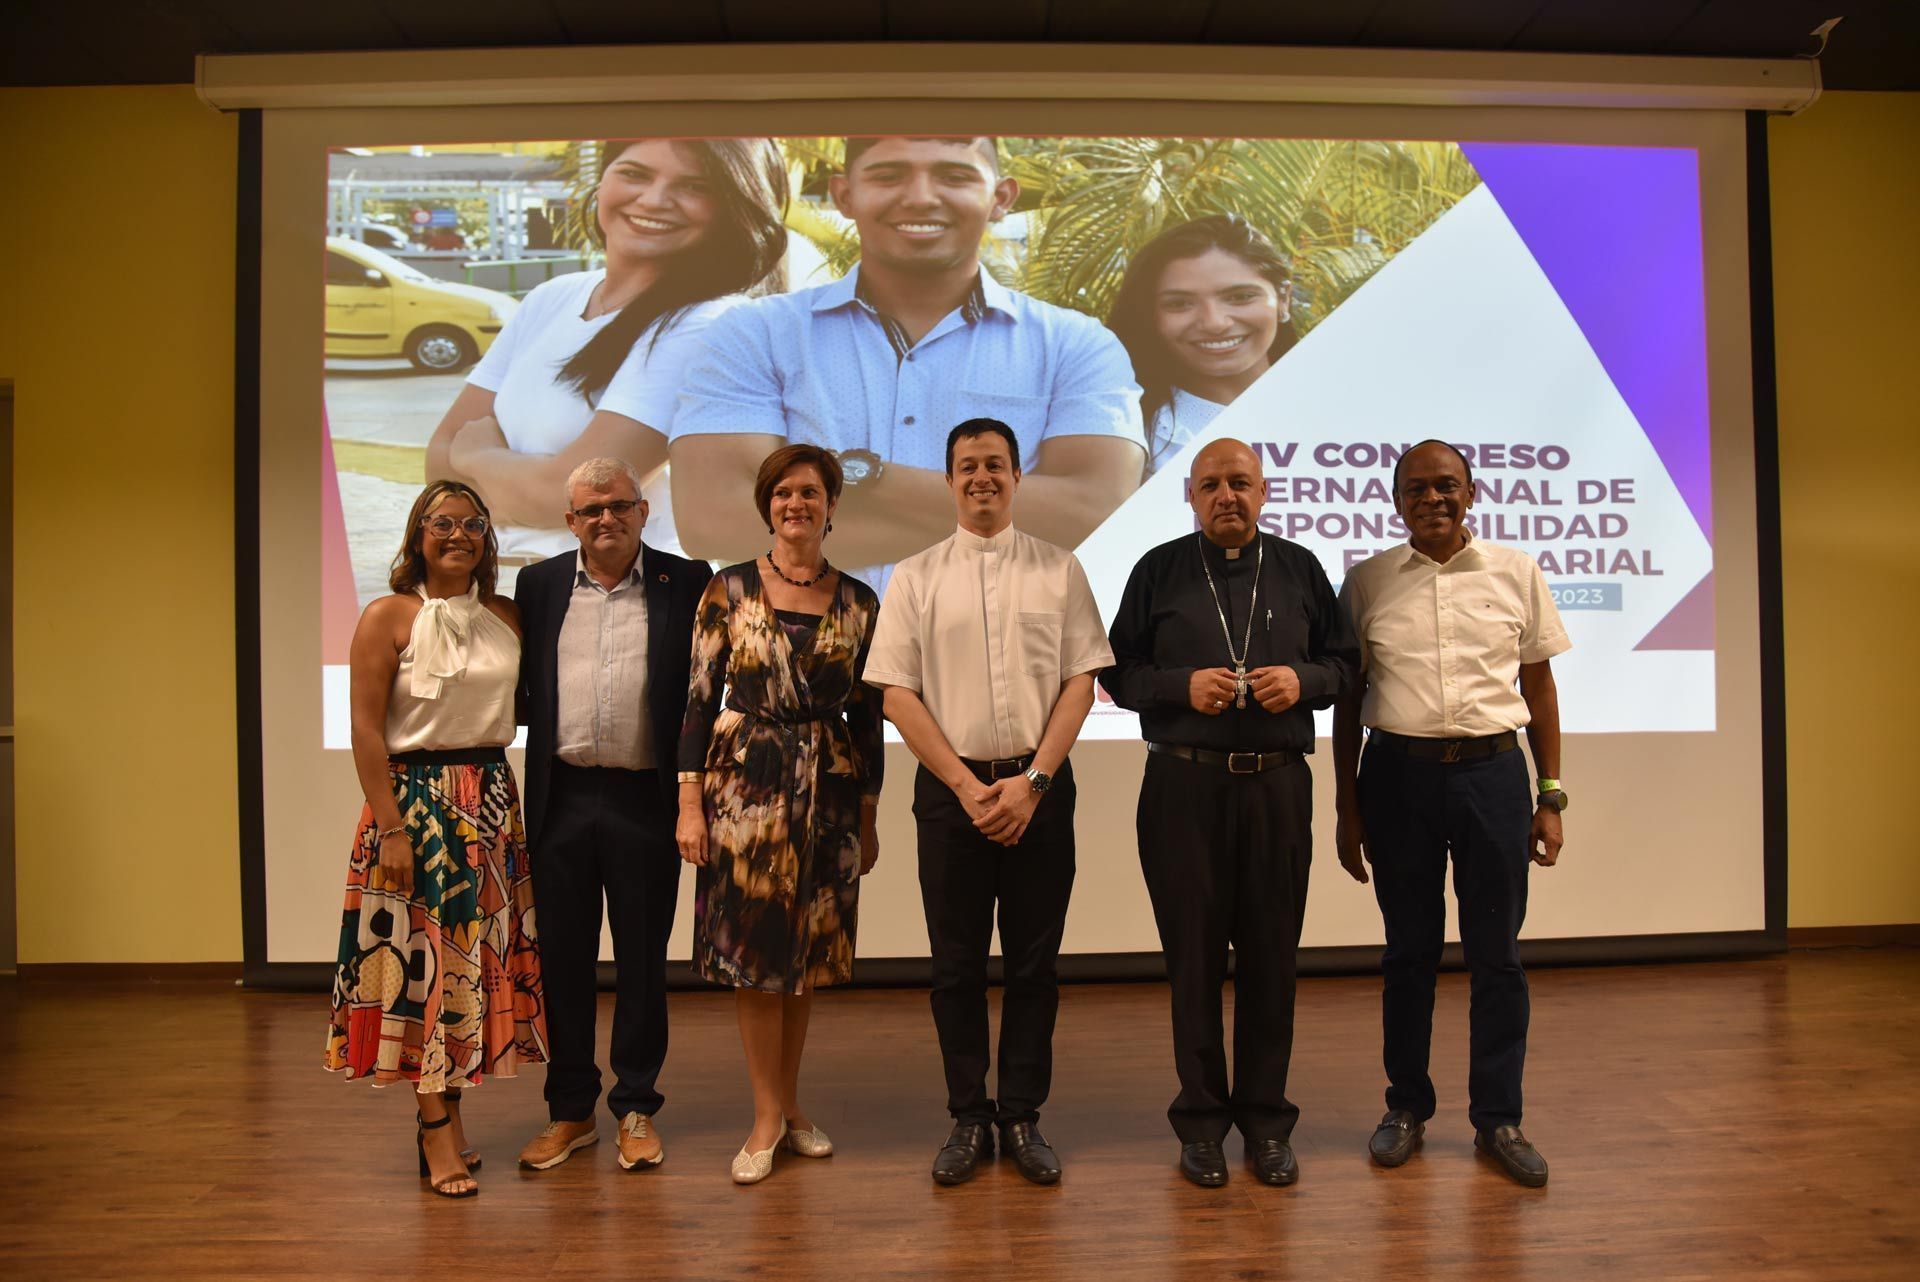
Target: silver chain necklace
[1253,603]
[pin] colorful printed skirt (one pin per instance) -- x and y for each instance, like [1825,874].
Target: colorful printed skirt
[441,987]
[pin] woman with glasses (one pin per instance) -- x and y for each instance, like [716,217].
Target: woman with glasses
[1203,314]
[779,781]
[438,982]
[591,364]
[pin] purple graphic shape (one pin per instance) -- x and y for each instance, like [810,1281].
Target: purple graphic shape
[1688,626]
[1617,232]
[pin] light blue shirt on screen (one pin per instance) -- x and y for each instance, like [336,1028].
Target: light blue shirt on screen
[818,365]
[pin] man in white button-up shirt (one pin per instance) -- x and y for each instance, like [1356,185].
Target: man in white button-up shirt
[608,641]
[1447,625]
[987,649]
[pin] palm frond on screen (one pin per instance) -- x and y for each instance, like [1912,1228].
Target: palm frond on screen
[834,237]
[576,225]
[1338,209]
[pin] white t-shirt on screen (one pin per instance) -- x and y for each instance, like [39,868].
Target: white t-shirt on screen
[541,414]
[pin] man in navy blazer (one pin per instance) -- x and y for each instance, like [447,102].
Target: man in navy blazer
[606,645]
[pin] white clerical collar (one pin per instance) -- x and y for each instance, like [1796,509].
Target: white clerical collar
[1000,542]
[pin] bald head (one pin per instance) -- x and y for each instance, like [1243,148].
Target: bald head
[1226,491]
[1226,451]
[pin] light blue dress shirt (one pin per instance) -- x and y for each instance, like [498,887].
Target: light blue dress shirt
[819,365]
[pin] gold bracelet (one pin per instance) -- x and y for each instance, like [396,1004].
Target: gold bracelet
[692,776]
[398,830]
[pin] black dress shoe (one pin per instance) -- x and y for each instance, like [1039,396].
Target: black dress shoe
[962,1152]
[1273,1161]
[1204,1162]
[1395,1138]
[1519,1159]
[1030,1152]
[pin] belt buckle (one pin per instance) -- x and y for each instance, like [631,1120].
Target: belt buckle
[1012,765]
[1252,760]
[1451,754]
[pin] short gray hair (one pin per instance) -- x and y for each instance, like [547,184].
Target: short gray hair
[596,472]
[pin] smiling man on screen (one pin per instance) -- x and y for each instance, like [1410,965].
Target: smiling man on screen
[877,365]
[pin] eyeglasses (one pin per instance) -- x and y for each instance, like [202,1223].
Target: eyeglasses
[442,527]
[619,508]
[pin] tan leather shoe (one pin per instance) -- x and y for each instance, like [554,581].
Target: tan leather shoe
[557,1142]
[639,1142]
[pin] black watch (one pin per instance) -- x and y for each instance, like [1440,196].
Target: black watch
[860,467]
[1555,800]
[1040,780]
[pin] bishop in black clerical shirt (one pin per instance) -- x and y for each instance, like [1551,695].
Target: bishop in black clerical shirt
[1224,643]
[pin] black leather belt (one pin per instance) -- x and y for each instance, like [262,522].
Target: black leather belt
[1005,768]
[1237,763]
[449,757]
[1446,751]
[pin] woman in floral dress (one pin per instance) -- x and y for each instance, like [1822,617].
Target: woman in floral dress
[778,784]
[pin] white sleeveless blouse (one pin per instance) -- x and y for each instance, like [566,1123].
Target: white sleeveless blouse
[457,678]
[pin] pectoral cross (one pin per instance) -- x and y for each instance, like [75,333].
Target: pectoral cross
[1239,685]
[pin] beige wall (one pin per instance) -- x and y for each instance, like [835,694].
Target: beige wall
[121,242]
[1846,199]
[118,333]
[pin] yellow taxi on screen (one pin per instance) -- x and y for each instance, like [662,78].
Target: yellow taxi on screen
[380,306]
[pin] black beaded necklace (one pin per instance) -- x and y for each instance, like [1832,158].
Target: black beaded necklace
[825,570]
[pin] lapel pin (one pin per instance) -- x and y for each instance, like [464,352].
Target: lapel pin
[663,578]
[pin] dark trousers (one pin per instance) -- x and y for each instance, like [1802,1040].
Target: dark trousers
[607,837]
[1415,813]
[1226,858]
[962,876]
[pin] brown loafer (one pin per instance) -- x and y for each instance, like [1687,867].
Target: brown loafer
[557,1143]
[1515,1155]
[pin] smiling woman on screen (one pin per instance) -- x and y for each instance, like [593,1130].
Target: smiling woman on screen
[1203,314]
[591,363]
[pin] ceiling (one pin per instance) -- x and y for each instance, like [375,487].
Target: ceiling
[84,42]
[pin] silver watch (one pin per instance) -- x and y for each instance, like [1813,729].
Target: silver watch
[1040,780]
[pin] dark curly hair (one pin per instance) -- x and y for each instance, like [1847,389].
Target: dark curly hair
[1132,319]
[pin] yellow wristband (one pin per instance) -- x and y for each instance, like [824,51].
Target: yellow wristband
[1549,785]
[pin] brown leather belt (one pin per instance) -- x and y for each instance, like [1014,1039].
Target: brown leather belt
[1446,751]
[1005,768]
[1237,763]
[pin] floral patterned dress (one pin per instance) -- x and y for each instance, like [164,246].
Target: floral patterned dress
[788,754]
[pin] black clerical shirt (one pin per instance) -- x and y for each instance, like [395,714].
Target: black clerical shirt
[1168,626]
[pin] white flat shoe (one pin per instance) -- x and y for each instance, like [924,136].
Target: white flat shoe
[809,1143]
[751,1168]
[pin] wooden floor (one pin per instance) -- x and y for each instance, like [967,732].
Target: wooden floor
[1750,1120]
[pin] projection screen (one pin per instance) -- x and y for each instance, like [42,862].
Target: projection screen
[1564,293]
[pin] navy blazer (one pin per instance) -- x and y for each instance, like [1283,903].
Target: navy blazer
[543,591]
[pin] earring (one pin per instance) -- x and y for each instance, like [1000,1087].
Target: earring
[829,527]
[769,529]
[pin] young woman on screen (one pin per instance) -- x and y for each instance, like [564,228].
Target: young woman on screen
[438,977]
[590,365]
[1202,313]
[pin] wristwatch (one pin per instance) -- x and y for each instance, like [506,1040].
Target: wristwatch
[860,467]
[1552,794]
[1040,780]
